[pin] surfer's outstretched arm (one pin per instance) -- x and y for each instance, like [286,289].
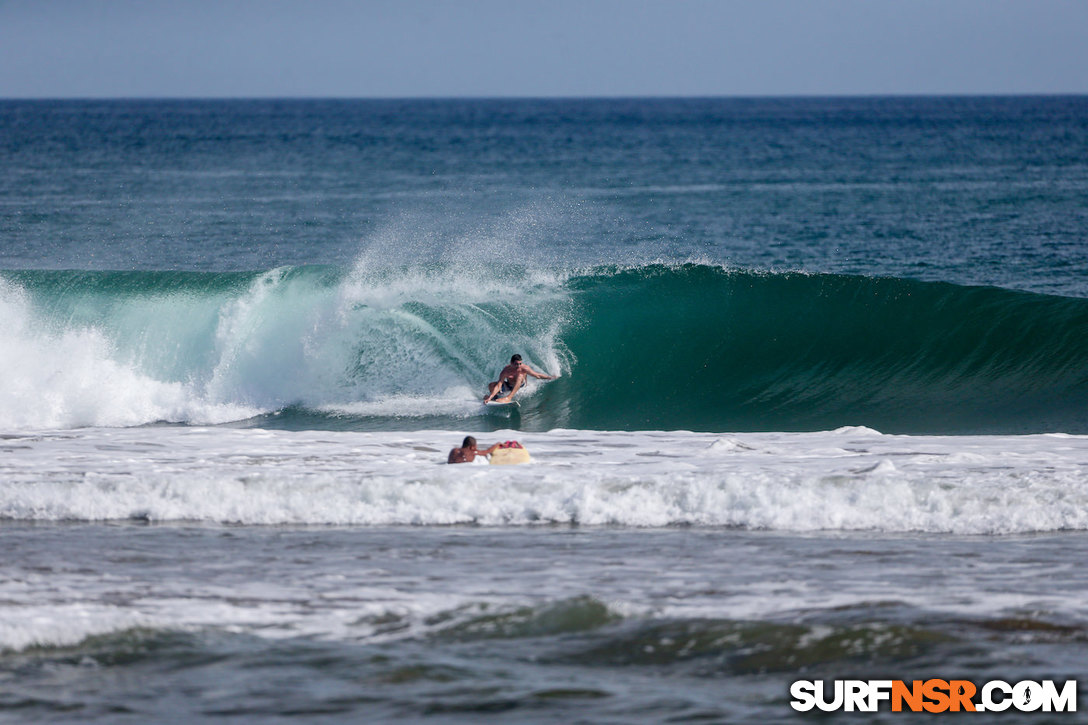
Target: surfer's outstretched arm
[535,374]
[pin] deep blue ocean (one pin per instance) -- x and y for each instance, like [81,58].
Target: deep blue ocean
[972,191]
[821,407]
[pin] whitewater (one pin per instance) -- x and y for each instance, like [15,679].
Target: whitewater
[843,480]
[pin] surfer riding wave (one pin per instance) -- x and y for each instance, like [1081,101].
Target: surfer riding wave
[511,379]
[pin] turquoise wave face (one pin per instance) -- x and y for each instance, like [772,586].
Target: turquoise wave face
[709,349]
[653,347]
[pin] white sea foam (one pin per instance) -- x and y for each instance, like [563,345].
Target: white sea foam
[841,480]
[43,616]
[72,377]
[354,346]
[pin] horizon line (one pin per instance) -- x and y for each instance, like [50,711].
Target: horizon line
[559,97]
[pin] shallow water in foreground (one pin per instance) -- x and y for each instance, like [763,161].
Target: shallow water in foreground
[169,573]
[170,623]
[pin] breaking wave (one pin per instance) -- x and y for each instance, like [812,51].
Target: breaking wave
[690,346]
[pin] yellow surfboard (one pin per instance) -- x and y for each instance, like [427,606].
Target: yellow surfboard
[509,456]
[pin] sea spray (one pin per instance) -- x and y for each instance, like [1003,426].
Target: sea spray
[226,347]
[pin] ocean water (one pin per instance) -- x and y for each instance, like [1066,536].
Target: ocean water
[821,413]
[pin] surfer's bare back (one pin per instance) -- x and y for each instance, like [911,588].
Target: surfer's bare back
[511,379]
[468,451]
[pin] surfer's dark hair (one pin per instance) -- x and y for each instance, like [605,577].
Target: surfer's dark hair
[515,358]
[468,441]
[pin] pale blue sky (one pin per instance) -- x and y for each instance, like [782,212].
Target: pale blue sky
[397,48]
